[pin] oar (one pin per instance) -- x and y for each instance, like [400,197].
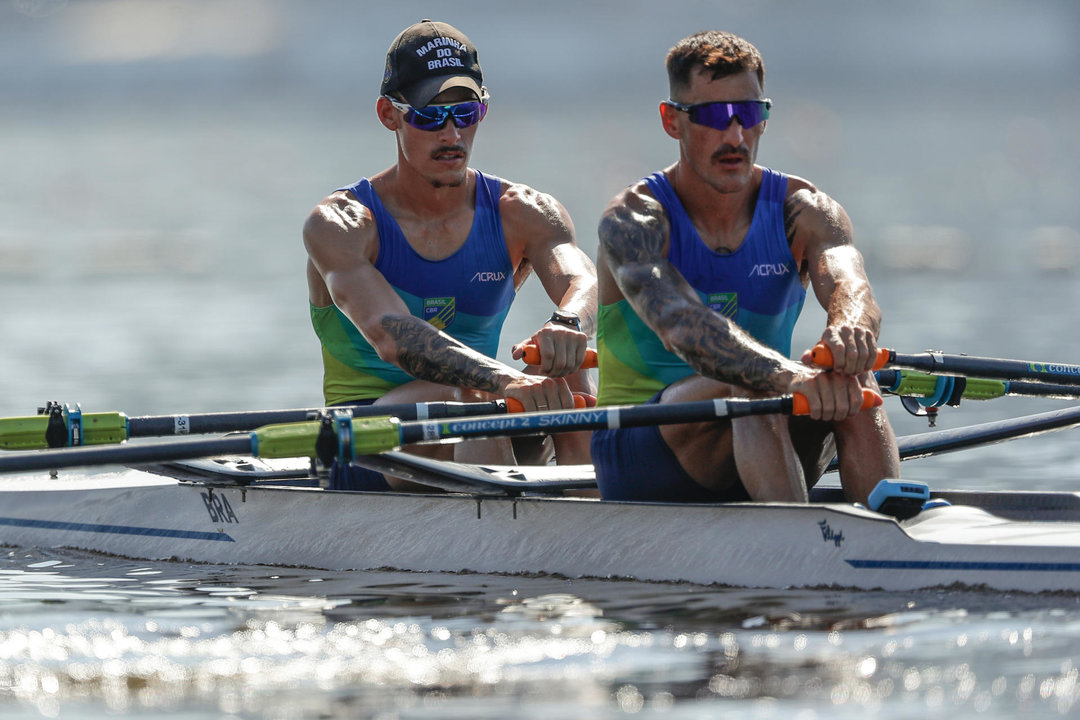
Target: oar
[946,441]
[459,477]
[61,426]
[946,388]
[940,363]
[348,437]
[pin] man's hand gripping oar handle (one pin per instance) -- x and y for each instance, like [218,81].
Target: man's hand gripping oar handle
[821,355]
[532,357]
[800,405]
[515,406]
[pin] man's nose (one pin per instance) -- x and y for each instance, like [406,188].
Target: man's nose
[733,133]
[450,132]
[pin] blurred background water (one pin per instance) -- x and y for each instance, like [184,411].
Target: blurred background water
[157,160]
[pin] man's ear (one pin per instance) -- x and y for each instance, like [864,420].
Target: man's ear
[388,115]
[667,119]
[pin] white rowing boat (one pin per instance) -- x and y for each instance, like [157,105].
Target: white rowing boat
[507,520]
[203,511]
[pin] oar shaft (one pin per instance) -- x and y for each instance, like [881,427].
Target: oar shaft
[153,426]
[598,418]
[106,428]
[939,442]
[590,419]
[968,365]
[993,368]
[372,435]
[951,440]
[124,454]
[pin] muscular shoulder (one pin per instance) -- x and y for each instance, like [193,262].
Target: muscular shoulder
[339,217]
[811,217]
[527,212]
[634,226]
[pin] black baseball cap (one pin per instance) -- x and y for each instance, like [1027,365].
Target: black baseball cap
[428,58]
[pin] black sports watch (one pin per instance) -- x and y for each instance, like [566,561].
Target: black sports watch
[567,319]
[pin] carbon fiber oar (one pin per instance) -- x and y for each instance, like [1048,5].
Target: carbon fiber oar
[344,437]
[63,426]
[939,442]
[948,388]
[968,365]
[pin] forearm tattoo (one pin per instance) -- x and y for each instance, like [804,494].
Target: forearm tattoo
[427,354]
[708,342]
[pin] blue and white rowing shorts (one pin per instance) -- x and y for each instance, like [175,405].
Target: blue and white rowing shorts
[636,464]
[354,477]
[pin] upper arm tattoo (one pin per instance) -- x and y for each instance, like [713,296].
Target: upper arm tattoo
[632,236]
[793,207]
[634,240]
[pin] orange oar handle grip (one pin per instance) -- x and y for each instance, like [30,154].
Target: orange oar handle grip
[821,356]
[515,406]
[800,406]
[532,357]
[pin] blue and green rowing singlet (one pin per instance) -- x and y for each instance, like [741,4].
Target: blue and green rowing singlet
[757,286]
[466,295]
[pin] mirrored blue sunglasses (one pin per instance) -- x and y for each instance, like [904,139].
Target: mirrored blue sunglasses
[434,117]
[718,115]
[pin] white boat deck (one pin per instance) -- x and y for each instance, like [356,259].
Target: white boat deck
[976,526]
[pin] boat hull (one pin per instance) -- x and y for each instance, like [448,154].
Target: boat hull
[136,514]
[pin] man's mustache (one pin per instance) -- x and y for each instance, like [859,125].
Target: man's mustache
[732,150]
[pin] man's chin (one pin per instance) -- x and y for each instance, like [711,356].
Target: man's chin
[448,181]
[731,182]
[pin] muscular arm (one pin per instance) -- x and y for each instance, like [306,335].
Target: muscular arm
[821,238]
[340,238]
[633,238]
[539,228]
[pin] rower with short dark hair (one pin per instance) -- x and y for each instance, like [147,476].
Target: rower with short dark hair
[703,272]
[411,271]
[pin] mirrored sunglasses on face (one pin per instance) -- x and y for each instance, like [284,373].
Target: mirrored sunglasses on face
[718,115]
[434,117]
